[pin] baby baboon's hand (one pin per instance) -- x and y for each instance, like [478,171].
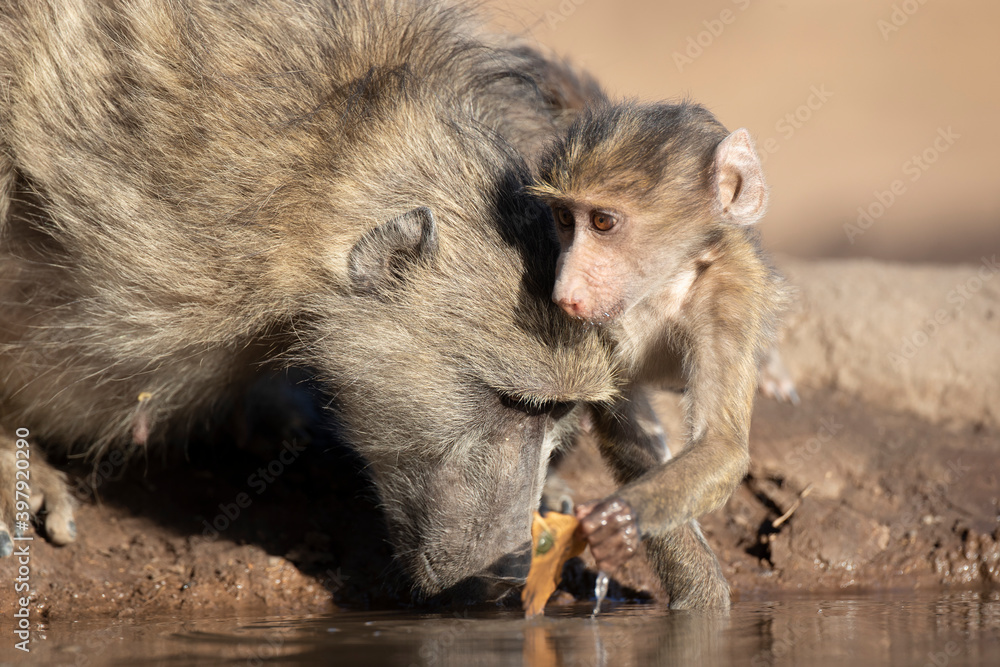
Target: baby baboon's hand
[48,491]
[610,528]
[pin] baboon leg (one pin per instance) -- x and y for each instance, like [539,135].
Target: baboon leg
[632,440]
[688,569]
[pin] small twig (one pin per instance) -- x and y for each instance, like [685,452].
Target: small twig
[791,510]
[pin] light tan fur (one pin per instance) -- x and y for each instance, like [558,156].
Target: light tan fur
[652,205]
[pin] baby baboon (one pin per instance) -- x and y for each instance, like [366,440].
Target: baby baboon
[653,206]
[190,189]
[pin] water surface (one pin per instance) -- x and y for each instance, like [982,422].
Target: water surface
[940,630]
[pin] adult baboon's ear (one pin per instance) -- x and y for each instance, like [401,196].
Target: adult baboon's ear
[740,190]
[379,259]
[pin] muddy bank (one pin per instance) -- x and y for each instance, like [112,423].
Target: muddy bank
[884,477]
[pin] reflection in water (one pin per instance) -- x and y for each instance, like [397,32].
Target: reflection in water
[942,631]
[636,636]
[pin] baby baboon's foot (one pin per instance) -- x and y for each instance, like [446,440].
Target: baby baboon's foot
[775,381]
[689,570]
[31,489]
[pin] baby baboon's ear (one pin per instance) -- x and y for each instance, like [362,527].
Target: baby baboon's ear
[381,257]
[740,190]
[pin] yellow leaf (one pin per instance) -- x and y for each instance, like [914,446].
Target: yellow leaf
[554,541]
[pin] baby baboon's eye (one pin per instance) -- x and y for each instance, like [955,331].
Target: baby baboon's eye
[602,221]
[564,217]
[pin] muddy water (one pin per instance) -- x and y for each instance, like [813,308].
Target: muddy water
[937,630]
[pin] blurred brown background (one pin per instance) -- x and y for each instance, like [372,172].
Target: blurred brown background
[846,100]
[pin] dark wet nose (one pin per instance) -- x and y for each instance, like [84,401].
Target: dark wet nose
[501,582]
